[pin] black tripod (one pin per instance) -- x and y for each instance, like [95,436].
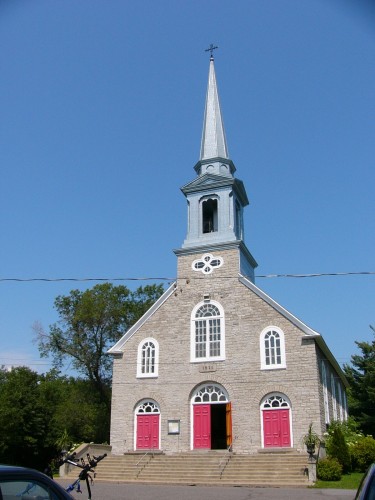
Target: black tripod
[86,466]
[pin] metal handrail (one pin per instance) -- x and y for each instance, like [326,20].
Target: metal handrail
[140,468]
[226,458]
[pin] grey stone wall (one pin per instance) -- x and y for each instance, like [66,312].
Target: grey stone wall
[246,315]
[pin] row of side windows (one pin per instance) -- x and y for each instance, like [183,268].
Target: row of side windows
[207,342]
[337,410]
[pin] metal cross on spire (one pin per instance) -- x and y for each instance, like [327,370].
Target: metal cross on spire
[211,48]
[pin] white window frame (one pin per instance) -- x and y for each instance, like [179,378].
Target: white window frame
[141,345]
[341,413]
[221,317]
[345,405]
[262,339]
[325,393]
[333,394]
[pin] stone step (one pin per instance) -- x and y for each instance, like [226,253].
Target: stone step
[274,469]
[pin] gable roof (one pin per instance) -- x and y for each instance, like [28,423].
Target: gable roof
[214,181]
[309,332]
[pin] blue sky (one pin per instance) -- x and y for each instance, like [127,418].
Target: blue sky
[101,110]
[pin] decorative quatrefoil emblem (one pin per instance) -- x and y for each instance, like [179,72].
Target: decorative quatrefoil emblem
[207,263]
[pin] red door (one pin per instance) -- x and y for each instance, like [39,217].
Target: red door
[276,428]
[202,426]
[147,432]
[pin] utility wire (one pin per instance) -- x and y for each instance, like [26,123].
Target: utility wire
[153,278]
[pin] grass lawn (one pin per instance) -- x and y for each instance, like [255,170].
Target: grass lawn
[347,482]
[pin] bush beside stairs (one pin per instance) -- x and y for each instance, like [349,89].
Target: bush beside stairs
[209,468]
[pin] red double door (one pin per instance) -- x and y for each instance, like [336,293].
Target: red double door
[276,428]
[212,426]
[148,432]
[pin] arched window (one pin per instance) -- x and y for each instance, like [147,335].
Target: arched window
[209,215]
[210,393]
[272,348]
[148,358]
[147,406]
[275,401]
[207,332]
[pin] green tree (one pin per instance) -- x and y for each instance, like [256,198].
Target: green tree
[37,410]
[79,414]
[90,322]
[23,419]
[361,377]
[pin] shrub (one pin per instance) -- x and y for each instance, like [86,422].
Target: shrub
[329,469]
[337,448]
[363,453]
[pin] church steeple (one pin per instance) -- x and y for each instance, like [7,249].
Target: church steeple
[213,144]
[214,155]
[215,198]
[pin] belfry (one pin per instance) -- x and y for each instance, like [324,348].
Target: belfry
[215,198]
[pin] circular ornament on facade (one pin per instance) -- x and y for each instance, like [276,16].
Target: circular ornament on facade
[207,263]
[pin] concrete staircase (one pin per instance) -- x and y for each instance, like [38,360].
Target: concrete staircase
[208,468]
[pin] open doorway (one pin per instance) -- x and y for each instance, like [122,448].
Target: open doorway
[218,427]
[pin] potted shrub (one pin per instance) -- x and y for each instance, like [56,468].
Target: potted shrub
[311,440]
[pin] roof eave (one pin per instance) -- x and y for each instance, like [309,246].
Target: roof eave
[309,332]
[118,347]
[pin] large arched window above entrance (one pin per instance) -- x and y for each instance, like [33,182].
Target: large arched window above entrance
[210,393]
[148,358]
[272,348]
[207,338]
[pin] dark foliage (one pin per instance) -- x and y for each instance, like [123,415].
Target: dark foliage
[339,449]
[361,377]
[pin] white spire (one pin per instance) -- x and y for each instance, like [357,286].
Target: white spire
[213,143]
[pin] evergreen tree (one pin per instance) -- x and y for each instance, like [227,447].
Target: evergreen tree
[361,377]
[338,448]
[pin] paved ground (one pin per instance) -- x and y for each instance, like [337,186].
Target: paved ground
[113,491]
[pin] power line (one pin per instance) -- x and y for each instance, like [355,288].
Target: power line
[155,278]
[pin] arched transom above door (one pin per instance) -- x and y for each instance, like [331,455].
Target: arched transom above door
[147,407]
[275,401]
[210,393]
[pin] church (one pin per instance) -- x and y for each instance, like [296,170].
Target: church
[216,363]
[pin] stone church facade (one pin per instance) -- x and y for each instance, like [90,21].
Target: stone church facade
[216,363]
